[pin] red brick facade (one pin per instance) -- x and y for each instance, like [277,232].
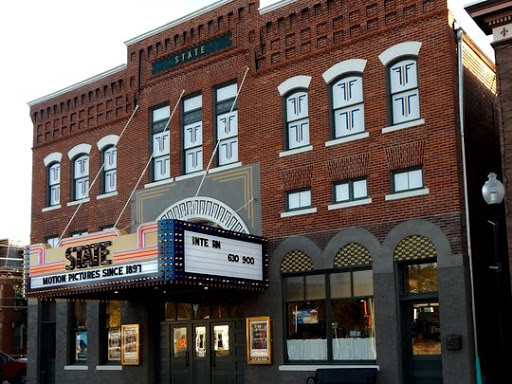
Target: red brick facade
[300,38]
[307,39]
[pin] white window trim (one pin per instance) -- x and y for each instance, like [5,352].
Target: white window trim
[298,212]
[190,175]
[337,70]
[51,208]
[348,204]
[407,124]
[79,149]
[293,83]
[77,367]
[55,157]
[312,368]
[406,194]
[295,151]
[109,367]
[347,139]
[159,182]
[106,195]
[76,202]
[409,48]
[225,167]
[107,140]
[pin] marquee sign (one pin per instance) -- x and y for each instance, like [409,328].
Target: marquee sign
[93,262]
[192,54]
[203,255]
[172,251]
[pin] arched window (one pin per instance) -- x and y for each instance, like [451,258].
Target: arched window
[401,61]
[296,111]
[53,185]
[52,163]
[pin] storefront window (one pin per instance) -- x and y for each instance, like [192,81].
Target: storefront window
[353,325]
[113,330]
[80,329]
[307,331]
[347,304]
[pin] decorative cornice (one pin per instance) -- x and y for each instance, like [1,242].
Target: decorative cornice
[177,22]
[77,85]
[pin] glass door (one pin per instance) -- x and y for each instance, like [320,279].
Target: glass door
[181,365]
[422,343]
[222,359]
[202,352]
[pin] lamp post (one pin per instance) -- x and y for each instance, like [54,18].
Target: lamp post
[493,193]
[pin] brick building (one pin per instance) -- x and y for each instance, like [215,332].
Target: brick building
[13,307]
[495,18]
[320,142]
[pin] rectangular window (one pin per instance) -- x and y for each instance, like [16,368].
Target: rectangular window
[110,170]
[53,241]
[406,180]
[227,124]
[160,140]
[404,91]
[420,278]
[54,184]
[350,190]
[297,120]
[298,199]
[306,324]
[347,302]
[81,177]
[348,107]
[192,134]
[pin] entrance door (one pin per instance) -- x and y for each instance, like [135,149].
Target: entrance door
[202,353]
[422,343]
[222,358]
[181,367]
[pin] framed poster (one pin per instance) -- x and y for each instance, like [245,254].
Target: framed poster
[81,346]
[259,337]
[130,344]
[114,344]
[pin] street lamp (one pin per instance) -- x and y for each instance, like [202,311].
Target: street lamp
[493,190]
[493,193]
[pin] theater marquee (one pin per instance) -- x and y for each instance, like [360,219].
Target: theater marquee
[203,255]
[169,251]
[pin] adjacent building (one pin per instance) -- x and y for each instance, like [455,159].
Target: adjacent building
[495,18]
[13,306]
[262,192]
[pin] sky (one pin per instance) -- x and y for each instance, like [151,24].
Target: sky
[48,45]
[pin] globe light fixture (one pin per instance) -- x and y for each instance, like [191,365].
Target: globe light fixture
[493,190]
